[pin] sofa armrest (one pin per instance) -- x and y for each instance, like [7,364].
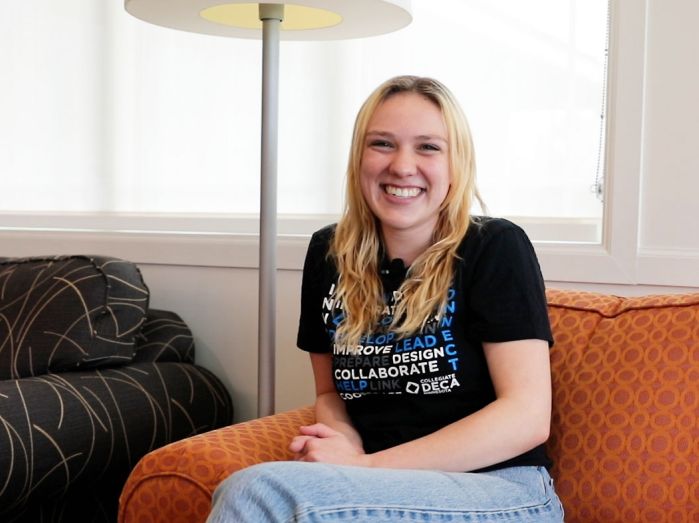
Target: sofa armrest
[175,483]
[164,337]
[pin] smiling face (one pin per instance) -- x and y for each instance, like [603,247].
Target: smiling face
[404,175]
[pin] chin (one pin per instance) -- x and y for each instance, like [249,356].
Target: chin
[398,225]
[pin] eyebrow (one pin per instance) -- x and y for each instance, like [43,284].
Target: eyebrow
[425,137]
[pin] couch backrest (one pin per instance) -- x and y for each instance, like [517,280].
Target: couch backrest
[68,312]
[625,429]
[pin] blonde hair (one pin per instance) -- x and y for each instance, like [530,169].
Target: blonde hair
[356,244]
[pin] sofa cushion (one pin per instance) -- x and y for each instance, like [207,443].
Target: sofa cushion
[68,312]
[75,432]
[625,438]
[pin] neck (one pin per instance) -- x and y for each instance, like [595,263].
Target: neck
[406,245]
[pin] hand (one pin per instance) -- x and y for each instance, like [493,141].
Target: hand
[323,444]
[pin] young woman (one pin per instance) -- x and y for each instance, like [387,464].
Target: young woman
[428,335]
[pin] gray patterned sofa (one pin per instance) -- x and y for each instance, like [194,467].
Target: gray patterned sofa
[91,380]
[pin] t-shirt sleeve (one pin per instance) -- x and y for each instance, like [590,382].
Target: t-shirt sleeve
[507,296]
[312,334]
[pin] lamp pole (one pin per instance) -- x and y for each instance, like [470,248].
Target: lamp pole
[336,19]
[271,16]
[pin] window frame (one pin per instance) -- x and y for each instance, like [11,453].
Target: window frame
[615,259]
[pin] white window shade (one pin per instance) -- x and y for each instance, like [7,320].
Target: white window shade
[50,102]
[104,113]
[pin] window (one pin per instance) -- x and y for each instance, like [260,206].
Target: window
[112,123]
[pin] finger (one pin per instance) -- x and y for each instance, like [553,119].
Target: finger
[298,443]
[319,430]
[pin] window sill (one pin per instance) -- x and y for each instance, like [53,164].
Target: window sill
[560,261]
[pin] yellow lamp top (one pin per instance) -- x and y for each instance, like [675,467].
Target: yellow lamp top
[303,19]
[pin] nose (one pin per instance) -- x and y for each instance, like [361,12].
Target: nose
[403,162]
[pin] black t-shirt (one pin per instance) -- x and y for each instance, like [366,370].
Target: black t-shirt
[397,390]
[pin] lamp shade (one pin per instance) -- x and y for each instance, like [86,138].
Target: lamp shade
[303,19]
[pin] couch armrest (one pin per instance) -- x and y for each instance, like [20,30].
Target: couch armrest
[175,483]
[164,337]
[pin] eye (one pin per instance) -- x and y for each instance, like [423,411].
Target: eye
[429,147]
[380,144]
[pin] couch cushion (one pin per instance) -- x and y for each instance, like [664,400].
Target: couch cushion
[625,438]
[75,432]
[68,312]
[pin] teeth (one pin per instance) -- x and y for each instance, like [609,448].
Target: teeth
[403,192]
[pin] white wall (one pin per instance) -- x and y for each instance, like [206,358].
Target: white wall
[670,221]
[220,305]
[219,300]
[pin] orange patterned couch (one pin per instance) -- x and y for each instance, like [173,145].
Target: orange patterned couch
[625,429]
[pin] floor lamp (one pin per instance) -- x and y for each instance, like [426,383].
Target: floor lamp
[302,20]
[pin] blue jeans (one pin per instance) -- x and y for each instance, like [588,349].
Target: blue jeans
[289,491]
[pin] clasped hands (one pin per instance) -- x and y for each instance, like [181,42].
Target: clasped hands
[320,443]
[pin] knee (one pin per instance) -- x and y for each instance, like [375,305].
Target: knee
[274,474]
[267,490]
[248,480]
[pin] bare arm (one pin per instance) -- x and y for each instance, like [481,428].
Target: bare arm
[515,422]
